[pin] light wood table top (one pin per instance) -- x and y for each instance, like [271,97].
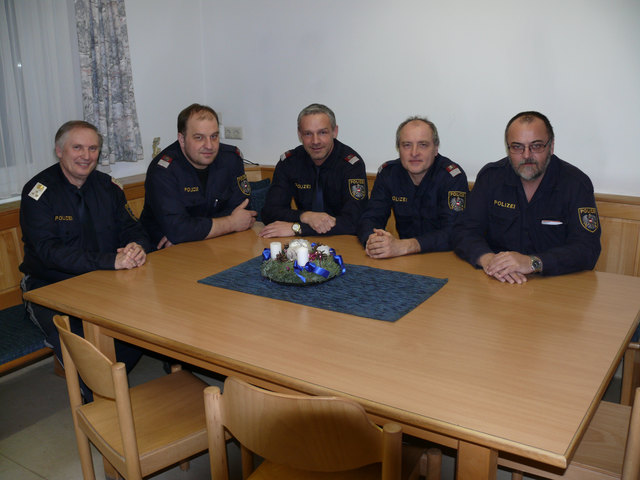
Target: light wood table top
[484,367]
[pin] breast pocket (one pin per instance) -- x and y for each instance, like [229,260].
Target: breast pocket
[334,193]
[192,196]
[194,202]
[404,216]
[66,224]
[501,221]
[221,201]
[69,231]
[552,229]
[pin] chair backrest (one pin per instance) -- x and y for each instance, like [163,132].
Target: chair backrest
[631,465]
[106,379]
[323,434]
[94,368]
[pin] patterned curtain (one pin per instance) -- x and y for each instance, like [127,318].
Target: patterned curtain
[107,82]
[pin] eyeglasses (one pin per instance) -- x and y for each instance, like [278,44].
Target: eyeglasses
[535,147]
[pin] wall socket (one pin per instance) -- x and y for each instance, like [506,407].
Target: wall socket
[233,133]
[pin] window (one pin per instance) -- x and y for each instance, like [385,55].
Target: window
[39,85]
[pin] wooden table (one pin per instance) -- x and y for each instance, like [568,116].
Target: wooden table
[483,367]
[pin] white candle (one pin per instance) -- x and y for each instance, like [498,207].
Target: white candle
[302,255]
[276,248]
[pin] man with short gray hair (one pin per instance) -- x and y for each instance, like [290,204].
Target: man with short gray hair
[75,220]
[426,191]
[325,178]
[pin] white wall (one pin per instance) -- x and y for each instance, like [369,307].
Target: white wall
[166,45]
[467,65]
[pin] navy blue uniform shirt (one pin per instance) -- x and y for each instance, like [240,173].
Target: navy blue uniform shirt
[560,224]
[426,212]
[343,182]
[178,206]
[55,245]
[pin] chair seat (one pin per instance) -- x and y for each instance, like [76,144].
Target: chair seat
[177,398]
[602,447]
[601,451]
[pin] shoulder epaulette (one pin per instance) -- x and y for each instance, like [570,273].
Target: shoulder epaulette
[286,154]
[165,161]
[385,164]
[225,147]
[453,169]
[116,182]
[37,191]
[352,159]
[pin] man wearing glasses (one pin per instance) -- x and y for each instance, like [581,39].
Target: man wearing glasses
[529,212]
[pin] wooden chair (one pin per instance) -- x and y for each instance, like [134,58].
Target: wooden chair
[315,438]
[610,448]
[140,430]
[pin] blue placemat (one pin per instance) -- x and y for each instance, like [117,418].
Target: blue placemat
[362,291]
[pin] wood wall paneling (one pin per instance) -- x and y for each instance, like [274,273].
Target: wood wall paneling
[619,218]
[620,223]
[11,255]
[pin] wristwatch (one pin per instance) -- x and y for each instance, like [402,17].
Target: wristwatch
[536,264]
[297,228]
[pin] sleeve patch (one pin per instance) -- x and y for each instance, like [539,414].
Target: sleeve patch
[588,218]
[356,188]
[457,200]
[243,184]
[352,159]
[37,191]
[165,161]
[117,183]
[454,170]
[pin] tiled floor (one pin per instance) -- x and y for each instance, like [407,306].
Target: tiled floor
[36,432]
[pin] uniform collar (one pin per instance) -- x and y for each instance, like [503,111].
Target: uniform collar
[512,177]
[177,155]
[70,186]
[331,159]
[428,175]
[550,179]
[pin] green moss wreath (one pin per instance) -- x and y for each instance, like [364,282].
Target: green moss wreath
[282,270]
